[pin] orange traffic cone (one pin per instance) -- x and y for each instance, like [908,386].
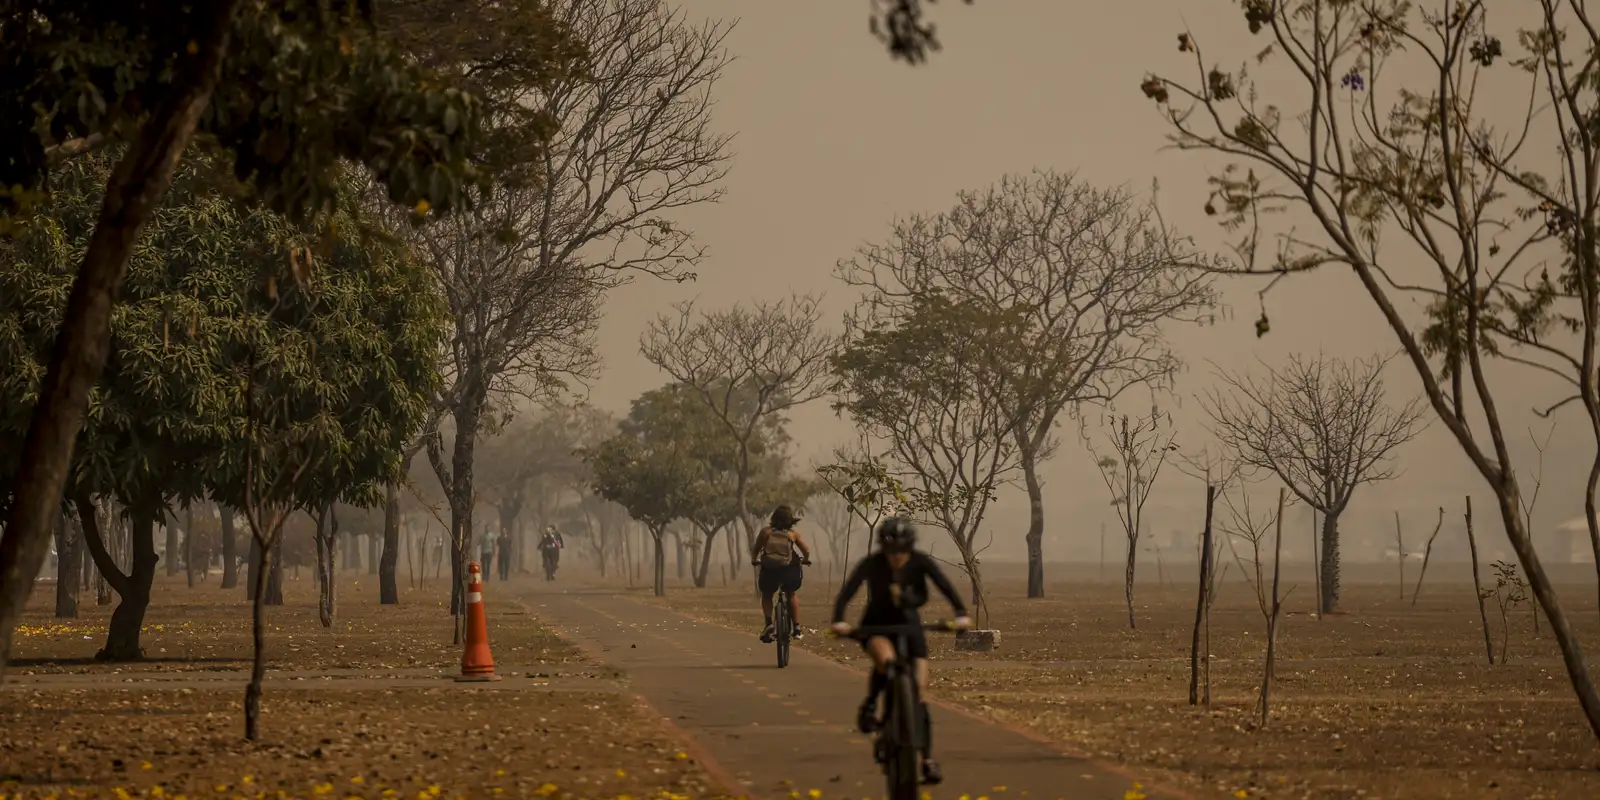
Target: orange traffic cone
[476,663]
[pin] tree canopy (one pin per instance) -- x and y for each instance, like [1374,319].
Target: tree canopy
[341,331]
[302,83]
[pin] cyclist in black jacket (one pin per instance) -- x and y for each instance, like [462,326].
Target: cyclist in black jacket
[897,586]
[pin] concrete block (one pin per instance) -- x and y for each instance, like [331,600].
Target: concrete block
[977,641]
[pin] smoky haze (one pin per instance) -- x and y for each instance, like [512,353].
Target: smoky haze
[832,143]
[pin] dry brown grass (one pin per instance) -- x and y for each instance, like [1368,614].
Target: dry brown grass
[383,723]
[1384,700]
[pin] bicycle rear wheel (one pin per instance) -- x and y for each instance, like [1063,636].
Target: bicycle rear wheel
[900,762]
[782,627]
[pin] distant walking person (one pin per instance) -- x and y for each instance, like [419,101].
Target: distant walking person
[503,544]
[486,550]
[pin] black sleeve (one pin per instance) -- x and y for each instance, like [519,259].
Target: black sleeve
[943,584]
[851,585]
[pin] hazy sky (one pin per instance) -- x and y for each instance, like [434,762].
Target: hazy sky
[834,140]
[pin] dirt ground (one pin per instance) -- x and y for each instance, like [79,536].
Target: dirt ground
[1385,700]
[362,710]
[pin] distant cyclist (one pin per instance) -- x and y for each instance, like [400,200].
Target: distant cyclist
[774,553]
[550,551]
[897,586]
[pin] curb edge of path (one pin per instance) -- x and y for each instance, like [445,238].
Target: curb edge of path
[691,745]
[1036,738]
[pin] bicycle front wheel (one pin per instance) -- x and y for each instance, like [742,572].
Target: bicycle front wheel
[900,763]
[782,628]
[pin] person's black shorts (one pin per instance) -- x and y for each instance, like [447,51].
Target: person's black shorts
[916,639]
[916,645]
[771,578]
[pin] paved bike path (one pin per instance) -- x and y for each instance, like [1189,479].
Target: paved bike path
[775,732]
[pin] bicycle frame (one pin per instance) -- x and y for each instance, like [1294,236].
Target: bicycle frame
[899,740]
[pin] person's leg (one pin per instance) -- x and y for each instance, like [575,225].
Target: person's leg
[768,584]
[881,650]
[931,773]
[793,590]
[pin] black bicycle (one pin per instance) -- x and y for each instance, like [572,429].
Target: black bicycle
[899,739]
[782,623]
[782,626]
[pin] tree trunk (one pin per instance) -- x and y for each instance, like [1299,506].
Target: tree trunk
[1560,627]
[1200,603]
[132,195]
[261,561]
[1590,512]
[127,619]
[1272,617]
[189,543]
[681,561]
[1035,539]
[69,558]
[253,576]
[1477,584]
[734,559]
[1316,566]
[86,565]
[457,478]
[1330,562]
[1127,577]
[327,542]
[980,608]
[389,561]
[705,559]
[660,564]
[174,542]
[275,582]
[230,556]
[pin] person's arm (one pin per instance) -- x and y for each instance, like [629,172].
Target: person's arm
[851,585]
[760,542]
[800,542]
[943,584]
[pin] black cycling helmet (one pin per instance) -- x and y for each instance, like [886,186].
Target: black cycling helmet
[897,535]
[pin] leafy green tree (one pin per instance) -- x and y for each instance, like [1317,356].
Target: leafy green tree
[652,473]
[748,365]
[284,89]
[353,354]
[1486,222]
[673,460]
[717,504]
[350,357]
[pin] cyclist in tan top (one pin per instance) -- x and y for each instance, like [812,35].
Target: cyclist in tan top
[774,553]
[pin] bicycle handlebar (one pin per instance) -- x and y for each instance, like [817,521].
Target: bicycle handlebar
[869,631]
